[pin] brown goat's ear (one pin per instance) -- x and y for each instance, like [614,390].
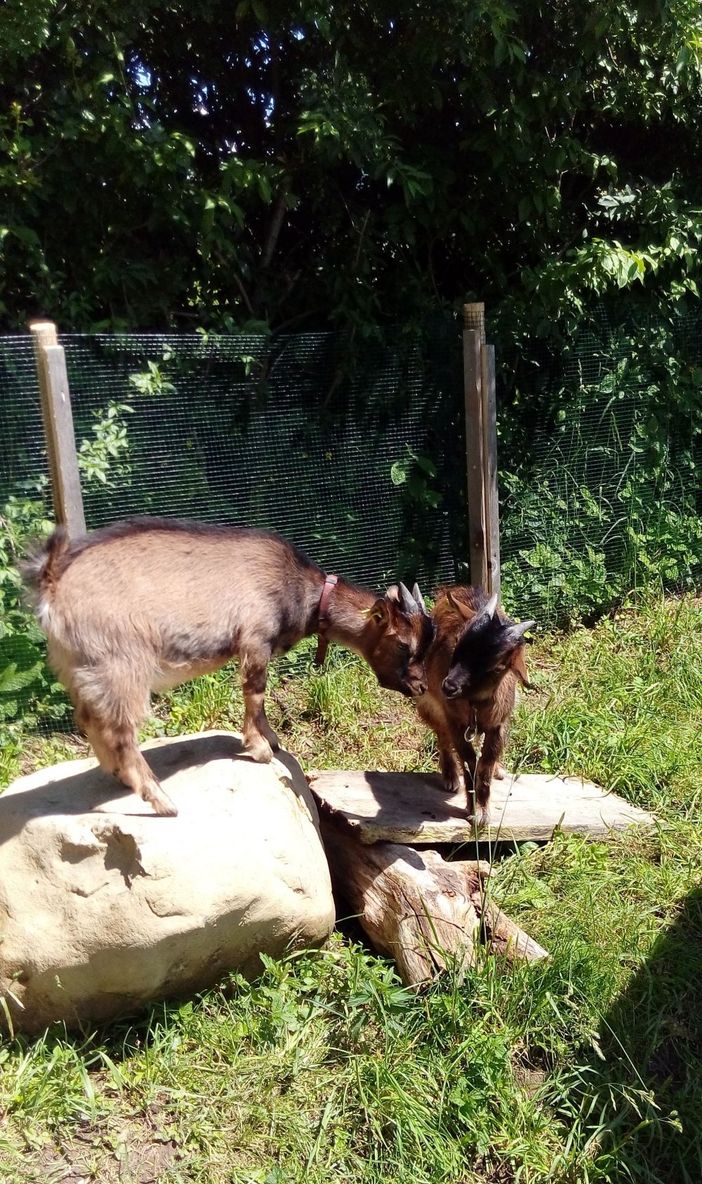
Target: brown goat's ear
[462,609]
[380,612]
[518,664]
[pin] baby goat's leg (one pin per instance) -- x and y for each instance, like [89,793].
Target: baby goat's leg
[432,712]
[493,747]
[451,764]
[115,746]
[259,738]
[267,730]
[471,767]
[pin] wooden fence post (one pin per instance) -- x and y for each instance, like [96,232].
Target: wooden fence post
[491,498]
[481,451]
[58,428]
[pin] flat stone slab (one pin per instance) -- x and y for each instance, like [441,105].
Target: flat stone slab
[415,807]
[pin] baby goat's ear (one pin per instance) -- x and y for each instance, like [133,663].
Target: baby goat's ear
[462,609]
[512,640]
[380,611]
[518,665]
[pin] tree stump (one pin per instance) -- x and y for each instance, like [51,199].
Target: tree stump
[426,913]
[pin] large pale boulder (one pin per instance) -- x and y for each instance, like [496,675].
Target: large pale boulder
[104,906]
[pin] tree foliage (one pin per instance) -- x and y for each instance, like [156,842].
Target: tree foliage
[216,163]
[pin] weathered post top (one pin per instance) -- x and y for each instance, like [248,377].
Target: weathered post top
[58,427]
[44,333]
[474,318]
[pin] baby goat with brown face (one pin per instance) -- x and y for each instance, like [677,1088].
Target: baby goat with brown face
[473,666]
[148,603]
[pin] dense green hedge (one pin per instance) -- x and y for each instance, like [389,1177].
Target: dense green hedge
[215,163]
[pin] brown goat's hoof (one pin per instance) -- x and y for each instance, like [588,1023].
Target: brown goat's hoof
[163,806]
[160,803]
[479,816]
[260,751]
[500,773]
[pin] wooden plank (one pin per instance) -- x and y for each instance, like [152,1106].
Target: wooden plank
[58,429]
[474,457]
[415,807]
[492,502]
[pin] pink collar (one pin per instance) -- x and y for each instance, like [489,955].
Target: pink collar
[329,583]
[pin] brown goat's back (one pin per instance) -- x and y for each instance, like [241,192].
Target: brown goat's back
[159,581]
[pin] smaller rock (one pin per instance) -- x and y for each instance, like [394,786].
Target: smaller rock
[105,907]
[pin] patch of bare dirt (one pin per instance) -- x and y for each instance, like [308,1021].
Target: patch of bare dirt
[129,1151]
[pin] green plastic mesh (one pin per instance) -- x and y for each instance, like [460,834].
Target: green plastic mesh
[599,479]
[359,464]
[355,451]
[280,436]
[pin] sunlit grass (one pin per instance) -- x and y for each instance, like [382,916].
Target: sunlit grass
[584,1069]
[622,705]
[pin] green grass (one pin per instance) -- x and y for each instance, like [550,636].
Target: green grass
[586,1068]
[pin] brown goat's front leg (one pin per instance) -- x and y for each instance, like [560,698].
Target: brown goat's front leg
[259,738]
[432,711]
[452,770]
[115,746]
[469,765]
[493,747]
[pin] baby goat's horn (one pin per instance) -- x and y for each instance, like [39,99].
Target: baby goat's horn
[406,601]
[483,618]
[515,633]
[419,598]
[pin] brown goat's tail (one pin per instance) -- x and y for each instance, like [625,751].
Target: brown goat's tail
[42,566]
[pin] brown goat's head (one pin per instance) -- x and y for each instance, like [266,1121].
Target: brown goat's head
[401,635]
[486,649]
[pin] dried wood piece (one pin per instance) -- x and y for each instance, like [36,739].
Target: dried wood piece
[417,908]
[506,937]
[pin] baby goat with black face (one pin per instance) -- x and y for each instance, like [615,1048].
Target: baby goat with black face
[473,666]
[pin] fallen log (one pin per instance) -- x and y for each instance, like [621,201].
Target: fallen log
[418,908]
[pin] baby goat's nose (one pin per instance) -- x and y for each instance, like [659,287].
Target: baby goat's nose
[450,688]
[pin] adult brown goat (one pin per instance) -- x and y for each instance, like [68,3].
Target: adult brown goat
[148,603]
[473,666]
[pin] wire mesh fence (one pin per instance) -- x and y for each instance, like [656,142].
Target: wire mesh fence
[356,452]
[280,435]
[600,459]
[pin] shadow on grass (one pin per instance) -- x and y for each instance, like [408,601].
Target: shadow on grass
[649,1085]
